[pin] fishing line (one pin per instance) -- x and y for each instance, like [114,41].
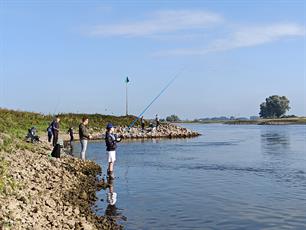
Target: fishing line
[57,105]
[160,93]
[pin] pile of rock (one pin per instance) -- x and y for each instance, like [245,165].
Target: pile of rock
[163,131]
[51,193]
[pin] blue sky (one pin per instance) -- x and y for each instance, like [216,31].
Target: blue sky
[73,56]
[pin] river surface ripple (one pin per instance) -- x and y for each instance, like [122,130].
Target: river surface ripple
[231,177]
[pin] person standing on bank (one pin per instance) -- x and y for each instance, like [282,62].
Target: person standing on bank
[55,130]
[84,136]
[71,134]
[49,130]
[142,123]
[111,140]
[157,121]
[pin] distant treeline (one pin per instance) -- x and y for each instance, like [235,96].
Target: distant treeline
[224,118]
[232,118]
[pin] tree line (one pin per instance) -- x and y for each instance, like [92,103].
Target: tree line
[273,107]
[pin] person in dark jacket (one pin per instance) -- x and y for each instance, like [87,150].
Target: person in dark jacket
[142,123]
[55,130]
[71,134]
[111,140]
[84,136]
[157,121]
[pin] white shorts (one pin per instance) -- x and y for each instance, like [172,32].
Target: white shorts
[111,156]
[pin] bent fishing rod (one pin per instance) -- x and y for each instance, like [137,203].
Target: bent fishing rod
[160,93]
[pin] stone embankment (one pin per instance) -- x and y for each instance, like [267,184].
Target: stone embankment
[163,131]
[50,193]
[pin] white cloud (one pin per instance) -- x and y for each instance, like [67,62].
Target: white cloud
[160,22]
[243,37]
[253,36]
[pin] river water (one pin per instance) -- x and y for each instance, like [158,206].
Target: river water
[231,177]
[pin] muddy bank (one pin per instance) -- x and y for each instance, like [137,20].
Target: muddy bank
[50,193]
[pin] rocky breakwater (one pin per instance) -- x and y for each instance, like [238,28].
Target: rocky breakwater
[163,131]
[50,193]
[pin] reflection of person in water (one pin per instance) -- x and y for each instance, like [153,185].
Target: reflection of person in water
[112,210]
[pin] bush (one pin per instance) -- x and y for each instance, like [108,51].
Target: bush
[173,118]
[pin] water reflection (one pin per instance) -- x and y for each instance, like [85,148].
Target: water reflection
[274,141]
[71,150]
[111,210]
[256,172]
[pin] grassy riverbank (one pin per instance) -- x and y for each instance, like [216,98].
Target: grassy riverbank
[39,192]
[16,123]
[276,121]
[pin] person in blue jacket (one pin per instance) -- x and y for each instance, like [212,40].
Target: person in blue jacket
[111,140]
[50,133]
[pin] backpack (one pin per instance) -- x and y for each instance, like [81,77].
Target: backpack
[56,152]
[50,127]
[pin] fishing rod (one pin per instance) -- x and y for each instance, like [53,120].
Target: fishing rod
[160,93]
[57,106]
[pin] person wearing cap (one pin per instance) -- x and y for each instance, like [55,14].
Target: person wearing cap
[84,136]
[111,140]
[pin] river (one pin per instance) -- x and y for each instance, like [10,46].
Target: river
[231,177]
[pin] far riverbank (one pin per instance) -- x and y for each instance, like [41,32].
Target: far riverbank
[276,121]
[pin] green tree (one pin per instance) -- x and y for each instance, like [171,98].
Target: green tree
[274,107]
[173,118]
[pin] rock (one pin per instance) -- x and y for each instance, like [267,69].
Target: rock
[68,211]
[12,205]
[50,202]
[84,195]
[77,211]
[71,223]
[86,226]
[23,199]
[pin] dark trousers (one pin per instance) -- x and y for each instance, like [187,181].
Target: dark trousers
[49,137]
[55,138]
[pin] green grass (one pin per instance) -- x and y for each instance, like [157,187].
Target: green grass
[16,123]
[14,127]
